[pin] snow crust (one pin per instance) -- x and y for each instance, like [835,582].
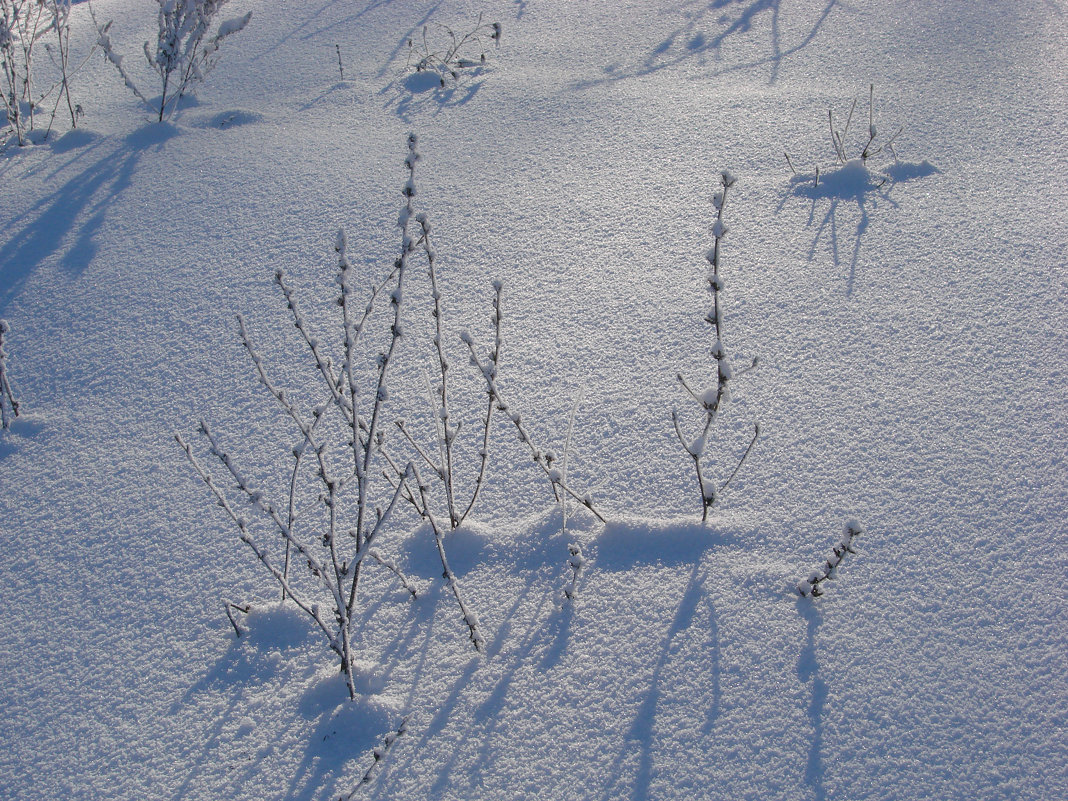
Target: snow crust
[910,321]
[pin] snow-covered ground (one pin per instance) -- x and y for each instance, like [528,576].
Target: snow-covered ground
[909,319]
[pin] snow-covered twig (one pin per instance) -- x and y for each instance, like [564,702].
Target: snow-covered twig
[7,393]
[259,501]
[565,458]
[393,568]
[810,587]
[487,419]
[230,608]
[379,755]
[542,458]
[104,42]
[311,609]
[712,399]
[60,56]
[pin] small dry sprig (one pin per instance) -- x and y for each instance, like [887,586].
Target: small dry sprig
[456,52]
[576,562]
[230,608]
[810,587]
[839,140]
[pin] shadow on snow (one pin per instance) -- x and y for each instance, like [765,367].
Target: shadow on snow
[708,25]
[851,182]
[66,222]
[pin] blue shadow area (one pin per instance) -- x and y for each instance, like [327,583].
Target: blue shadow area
[622,546]
[66,222]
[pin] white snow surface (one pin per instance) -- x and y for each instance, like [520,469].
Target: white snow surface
[911,335]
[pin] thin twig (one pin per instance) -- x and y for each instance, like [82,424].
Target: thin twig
[379,754]
[6,390]
[469,617]
[524,435]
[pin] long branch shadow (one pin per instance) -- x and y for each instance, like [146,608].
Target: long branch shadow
[68,220]
[345,730]
[485,690]
[488,682]
[302,31]
[694,39]
[246,663]
[712,715]
[640,736]
[487,715]
[808,672]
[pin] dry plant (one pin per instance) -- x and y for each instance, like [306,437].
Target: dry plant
[334,526]
[184,52]
[840,139]
[810,587]
[346,480]
[26,25]
[712,398]
[451,53]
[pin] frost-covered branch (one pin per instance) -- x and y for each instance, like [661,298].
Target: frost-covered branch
[184,52]
[712,398]
[259,501]
[446,431]
[543,459]
[393,568]
[810,587]
[7,393]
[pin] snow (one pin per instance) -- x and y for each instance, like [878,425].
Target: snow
[904,382]
[232,26]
